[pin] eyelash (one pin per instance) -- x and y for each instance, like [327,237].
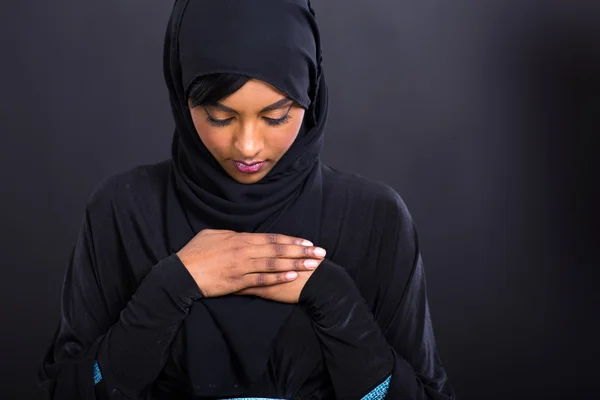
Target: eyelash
[278,121]
[217,122]
[224,122]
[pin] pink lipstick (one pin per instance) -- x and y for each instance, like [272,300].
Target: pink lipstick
[249,168]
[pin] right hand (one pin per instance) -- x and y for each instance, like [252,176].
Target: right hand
[224,262]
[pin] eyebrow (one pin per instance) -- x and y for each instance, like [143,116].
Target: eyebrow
[275,106]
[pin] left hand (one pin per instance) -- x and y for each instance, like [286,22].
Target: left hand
[288,292]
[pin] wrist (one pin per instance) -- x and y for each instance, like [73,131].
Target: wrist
[194,273]
[330,284]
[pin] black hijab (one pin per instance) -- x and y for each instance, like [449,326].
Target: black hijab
[277,41]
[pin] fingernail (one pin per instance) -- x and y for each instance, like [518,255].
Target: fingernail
[291,275]
[319,252]
[302,242]
[312,264]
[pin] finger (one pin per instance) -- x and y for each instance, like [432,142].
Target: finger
[278,250]
[216,232]
[268,279]
[273,238]
[246,292]
[273,264]
[253,291]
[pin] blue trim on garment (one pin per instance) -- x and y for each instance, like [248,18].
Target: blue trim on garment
[97,373]
[378,393]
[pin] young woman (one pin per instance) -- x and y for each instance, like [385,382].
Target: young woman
[243,267]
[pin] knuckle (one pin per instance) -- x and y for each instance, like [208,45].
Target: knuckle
[244,237]
[271,264]
[298,264]
[238,251]
[261,280]
[272,238]
[279,250]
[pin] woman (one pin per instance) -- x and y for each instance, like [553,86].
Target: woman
[243,266]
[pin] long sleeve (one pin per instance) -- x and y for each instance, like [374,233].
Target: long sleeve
[357,355]
[127,330]
[376,324]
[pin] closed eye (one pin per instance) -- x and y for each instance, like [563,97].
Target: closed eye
[278,121]
[225,122]
[217,122]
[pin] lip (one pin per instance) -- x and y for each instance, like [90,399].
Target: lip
[249,168]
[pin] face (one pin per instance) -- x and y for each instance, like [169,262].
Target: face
[249,131]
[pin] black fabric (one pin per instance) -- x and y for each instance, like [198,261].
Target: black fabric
[126,296]
[276,41]
[129,303]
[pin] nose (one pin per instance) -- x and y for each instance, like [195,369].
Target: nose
[248,141]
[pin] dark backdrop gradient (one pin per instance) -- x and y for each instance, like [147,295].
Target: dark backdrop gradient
[483,115]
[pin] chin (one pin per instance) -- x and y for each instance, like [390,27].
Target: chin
[247,179]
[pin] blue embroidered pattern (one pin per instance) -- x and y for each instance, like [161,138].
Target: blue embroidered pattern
[97,373]
[378,393]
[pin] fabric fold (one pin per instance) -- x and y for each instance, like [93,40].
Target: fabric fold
[276,41]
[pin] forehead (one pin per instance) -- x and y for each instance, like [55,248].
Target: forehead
[254,95]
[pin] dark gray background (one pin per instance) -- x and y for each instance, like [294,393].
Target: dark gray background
[483,115]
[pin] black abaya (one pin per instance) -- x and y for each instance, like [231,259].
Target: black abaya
[130,305]
[363,314]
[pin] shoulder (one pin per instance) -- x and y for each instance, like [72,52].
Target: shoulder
[367,221]
[361,193]
[136,186]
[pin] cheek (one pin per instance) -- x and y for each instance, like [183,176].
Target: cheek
[216,140]
[286,136]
